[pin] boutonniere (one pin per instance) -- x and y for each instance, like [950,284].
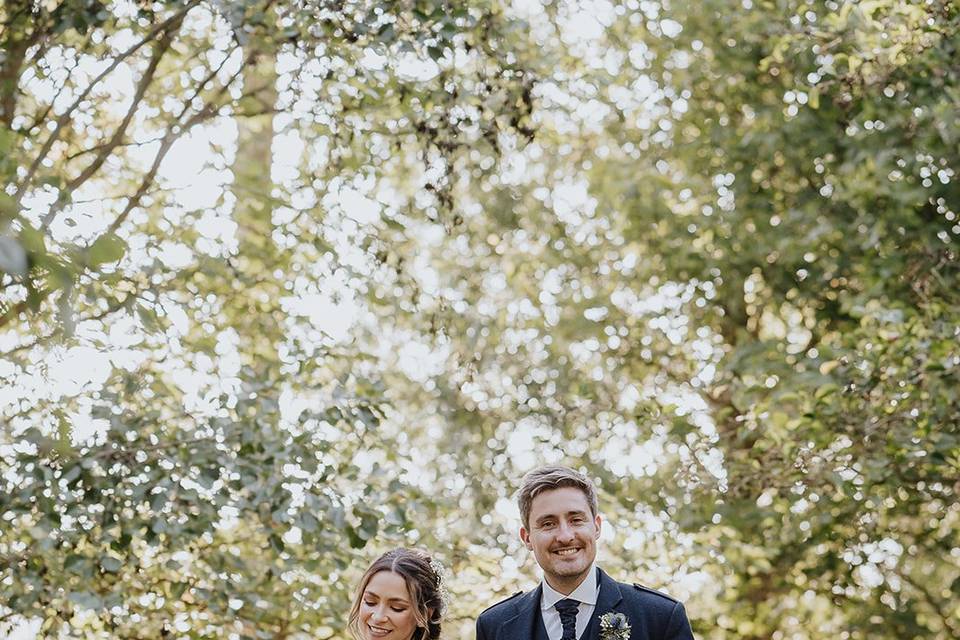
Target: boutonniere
[614,626]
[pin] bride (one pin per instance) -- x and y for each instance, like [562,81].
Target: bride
[398,598]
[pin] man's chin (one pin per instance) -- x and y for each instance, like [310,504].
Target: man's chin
[569,571]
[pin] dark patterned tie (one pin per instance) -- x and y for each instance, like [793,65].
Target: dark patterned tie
[567,608]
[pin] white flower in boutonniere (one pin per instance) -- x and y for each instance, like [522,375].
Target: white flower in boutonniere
[614,626]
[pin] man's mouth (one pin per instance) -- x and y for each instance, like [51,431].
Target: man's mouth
[566,552]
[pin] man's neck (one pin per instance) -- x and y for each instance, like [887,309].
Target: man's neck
[566,586]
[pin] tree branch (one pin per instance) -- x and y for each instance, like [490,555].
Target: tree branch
[106,149]
[163,45]
[42,116]
[15,50]
[98,147]
[173,22]
[942,608]
[173,133]
[17,309]
[110,453]
[97,316]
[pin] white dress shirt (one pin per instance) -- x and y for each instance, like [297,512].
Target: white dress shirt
[587,593]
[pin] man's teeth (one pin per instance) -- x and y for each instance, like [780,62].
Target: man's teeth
[566,552]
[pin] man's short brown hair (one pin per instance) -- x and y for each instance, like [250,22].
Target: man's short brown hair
[548,478]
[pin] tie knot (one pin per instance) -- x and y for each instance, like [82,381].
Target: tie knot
[567,606]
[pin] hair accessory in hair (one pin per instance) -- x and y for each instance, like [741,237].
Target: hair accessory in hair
[441,575]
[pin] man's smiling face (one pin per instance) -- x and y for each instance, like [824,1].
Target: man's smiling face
[563,536]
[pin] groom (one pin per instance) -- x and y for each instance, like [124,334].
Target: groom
[575,600]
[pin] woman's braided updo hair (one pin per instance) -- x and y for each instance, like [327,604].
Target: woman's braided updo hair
[424,582]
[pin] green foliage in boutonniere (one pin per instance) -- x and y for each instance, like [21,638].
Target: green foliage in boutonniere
[614,626]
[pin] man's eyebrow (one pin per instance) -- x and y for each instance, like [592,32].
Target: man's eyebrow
[550,516]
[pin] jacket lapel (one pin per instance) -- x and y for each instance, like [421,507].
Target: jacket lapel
[520,626]
[608,600]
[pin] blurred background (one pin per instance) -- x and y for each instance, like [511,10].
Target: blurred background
[284,284]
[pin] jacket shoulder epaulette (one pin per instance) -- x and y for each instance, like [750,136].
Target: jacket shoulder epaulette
[507,599]
[640,587]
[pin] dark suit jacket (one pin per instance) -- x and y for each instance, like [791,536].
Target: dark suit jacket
[651,614]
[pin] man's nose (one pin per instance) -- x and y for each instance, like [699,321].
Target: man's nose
[564,531]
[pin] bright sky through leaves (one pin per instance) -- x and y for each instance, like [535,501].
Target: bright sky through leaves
[322,282]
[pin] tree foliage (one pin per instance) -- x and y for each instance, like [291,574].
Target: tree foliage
[730,252]
[704,251]
[204,501]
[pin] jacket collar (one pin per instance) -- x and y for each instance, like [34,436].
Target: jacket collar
[609,596]
[521,624]
[608,600]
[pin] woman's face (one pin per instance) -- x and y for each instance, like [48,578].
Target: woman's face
[386,611]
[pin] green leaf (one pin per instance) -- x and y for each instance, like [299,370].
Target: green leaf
[276,543]
[6,143]
[307,521]
[74,563]
[71,474]
[107,248]
[387,33]
[9,209]
[85,600]
[177,589]
[33,241]
[110,564]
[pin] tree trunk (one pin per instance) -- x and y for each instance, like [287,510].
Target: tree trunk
[255,302]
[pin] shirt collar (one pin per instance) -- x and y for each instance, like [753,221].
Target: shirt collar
[586,592]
